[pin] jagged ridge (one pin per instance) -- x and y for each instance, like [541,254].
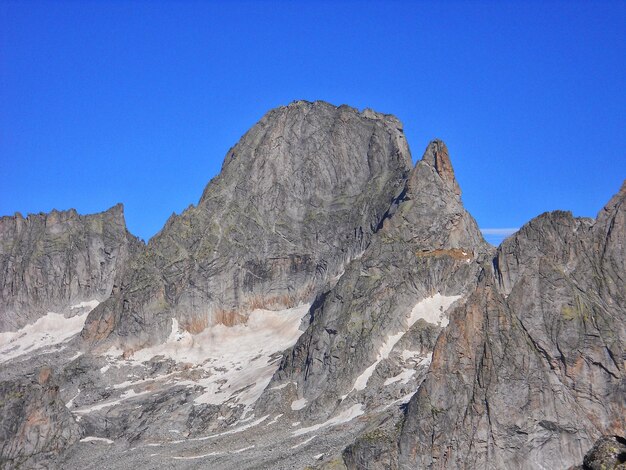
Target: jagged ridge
[318,204]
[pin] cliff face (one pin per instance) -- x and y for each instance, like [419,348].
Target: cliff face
[50,262]
[424,257]
[530,371]
[297,198]
[35,425]
[324,305]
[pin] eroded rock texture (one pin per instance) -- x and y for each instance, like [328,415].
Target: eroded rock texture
[427,249]
[297,198]
[530,370]
[608,453]
[423,347]
[35,425]
[49,262]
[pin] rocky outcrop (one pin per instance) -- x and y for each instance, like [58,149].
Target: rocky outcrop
[35,424]
[297,198]
[608,453]
[426,249]
[423,347]
[49,262]
[530,370]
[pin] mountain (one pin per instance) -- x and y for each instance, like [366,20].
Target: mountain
[51,261]
[297,199]
[535,355]
[325,305]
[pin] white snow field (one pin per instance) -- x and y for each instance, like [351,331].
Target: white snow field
[50,330]
[237,362]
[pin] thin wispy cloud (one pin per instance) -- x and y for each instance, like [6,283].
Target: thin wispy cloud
[503,232]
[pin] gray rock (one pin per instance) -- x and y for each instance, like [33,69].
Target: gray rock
[35,425]
[318,204]
[297,198]
[49,262]
[427,244]
[530,370]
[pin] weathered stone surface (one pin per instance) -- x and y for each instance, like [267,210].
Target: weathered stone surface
[318,204]
[530,370]
[608,453]
[49,262]
[427,245]
[376,448]
[35,425]
[297,198]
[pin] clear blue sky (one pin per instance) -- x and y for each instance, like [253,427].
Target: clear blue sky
[138,102]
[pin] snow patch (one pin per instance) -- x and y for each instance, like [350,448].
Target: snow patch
[405,399]
[225,433]
[193,457]
[303,442]
[96,439]
[406,355]
[298,404]
[238,451]
[426,360]
[69,403]
[238,361]
[131,394]
[431,309]
[403,377]
[343,417]
[401,401]
[89,305]
[75,356]
[417,357]
[243,417]
[406,374]
[280,387]
[49,330]
[100,406]
[133,383]
[211,454]
[273,421]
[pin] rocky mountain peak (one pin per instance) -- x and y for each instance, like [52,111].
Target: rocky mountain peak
[298,197]
[432,210]
[324,305]
[436,156]
[614,206]
[311,150]
[52,261]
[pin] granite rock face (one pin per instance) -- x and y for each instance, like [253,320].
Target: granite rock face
[297,198]
[426,250]
[49,262]
[530,371]
[35,425]
[324,305]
